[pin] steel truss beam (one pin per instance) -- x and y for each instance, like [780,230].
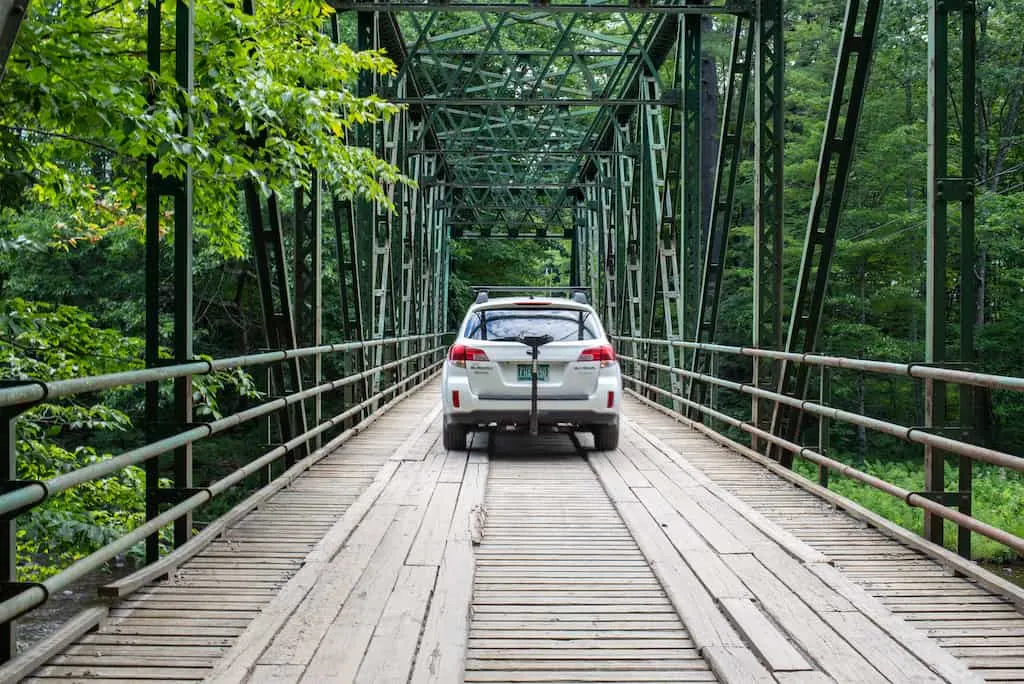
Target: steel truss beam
[834,163]
[629,220]
[720,221]
[766,329]
[689,54]
[12,12]
[609,241]
[308,274]
[272,275]
[439,6]
[179,190]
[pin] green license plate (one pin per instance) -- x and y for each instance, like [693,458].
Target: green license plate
[523,372]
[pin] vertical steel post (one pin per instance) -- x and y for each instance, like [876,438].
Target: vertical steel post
[936,248]
[183,320]
[720,220]
[609,235]
[308,297]
[768,207]
[968,257]
[944,188]
[180,191]
[691,143]
[12,12]
[153,195]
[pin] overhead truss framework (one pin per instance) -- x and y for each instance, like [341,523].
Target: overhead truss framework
[522,104]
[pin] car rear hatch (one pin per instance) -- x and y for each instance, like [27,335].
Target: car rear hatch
[565,371]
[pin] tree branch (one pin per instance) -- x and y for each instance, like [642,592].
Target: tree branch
[63,136]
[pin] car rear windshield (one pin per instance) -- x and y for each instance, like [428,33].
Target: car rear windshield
[509,324]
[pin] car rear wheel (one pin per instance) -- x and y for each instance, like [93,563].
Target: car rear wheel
[606,437]
[454,436]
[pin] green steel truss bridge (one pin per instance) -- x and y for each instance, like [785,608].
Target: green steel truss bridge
[693,553]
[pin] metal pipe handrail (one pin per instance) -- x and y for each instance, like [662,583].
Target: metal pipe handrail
[37,390]
[910,498]
[37,594]
[913,370]
[907,434]
[34,493]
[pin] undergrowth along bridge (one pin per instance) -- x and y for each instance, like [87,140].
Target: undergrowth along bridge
[558,120]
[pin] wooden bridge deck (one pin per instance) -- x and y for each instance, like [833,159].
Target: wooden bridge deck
[671,559]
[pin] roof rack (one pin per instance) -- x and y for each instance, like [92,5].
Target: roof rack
[577,294]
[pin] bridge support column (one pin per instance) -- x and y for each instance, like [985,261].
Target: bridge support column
[179,190]
[769,127]
[720,220]
[945,188]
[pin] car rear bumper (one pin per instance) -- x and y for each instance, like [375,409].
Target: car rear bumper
[474,409]
[520,417]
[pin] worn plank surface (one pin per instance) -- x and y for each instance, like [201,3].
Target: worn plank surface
[670,559]
[200,611]
[874,592]
[561,590]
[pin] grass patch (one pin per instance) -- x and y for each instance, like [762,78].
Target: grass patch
[998,500]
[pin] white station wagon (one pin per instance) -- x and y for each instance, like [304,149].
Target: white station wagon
[488,379]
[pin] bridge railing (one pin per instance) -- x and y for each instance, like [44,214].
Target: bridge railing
[813,454]
[397,378]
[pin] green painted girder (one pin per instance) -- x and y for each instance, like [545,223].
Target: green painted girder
[520,95]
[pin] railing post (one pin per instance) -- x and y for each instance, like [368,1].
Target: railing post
[8,526]
[823,424]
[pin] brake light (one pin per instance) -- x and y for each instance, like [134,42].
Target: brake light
[533,302]
[605,354]
[459,354]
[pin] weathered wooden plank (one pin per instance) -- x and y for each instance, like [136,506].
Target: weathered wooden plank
[612,482]
[297,637]
[807,629]
[26,662]
[443,644]
[719,538]
[771,645]
[705,624]
[734,664]
[265,627]
[937,658]
[390,654]
[428,547]
[886,655]
[342,647]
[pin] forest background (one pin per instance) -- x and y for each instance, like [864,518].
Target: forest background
[76,128]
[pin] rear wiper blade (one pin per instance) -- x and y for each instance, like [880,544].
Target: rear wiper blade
[505,339]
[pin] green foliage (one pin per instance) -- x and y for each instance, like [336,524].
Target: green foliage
[46,342]
[996,501]
[80,113]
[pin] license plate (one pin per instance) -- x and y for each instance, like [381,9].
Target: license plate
[524,373]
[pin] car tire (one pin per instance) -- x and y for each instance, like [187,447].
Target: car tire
[606,437]
[454,436]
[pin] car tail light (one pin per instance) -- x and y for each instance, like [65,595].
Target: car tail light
[459,354]
[533,302]
[455,398]
[611,399]
[605,354]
